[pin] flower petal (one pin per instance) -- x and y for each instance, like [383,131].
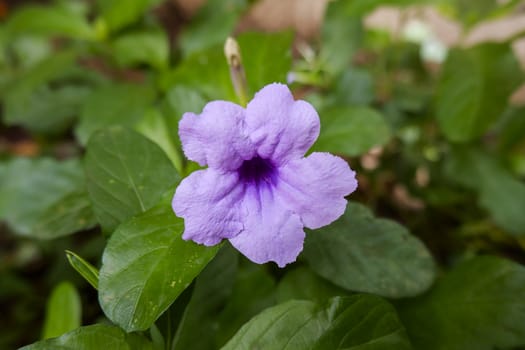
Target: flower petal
[280,127]
[315,187]
[272,233]
[216,137]
[208,201]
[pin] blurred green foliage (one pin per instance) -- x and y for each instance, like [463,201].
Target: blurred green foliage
[91,94]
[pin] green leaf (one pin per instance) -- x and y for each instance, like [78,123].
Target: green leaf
[257,49]
[512,129]
[351,131]
[467,103]
[63,311]
[179,100]
[126,174]
[214,22]
[142,47]
[254,290]
[72,213]
[118,14]
[97,336]
[502,195]
[49,20]
[206,72]
[34,189]
[155,126]
[341,36]
[85,269]
[478,305]
[146,265]
[355,87]
[355,322]
[30,101]
[213,287]
[303,284]
[118,104]
[46,110]
[361,253]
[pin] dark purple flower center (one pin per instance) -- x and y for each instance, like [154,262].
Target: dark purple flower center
[258,171]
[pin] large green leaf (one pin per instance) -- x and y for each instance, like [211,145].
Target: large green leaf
[49,20]
[257,49]
[43,198]
[361,253]
[97,336]
[126,174]
[351,131]
[478,305]
[355,322]
[213,287]
[146,265]
[500,193]
[118,104]
[63,311]
[467,102]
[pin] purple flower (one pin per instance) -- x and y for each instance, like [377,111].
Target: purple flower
[259,190]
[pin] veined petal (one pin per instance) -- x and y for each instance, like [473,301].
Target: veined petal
[271,233]
[315,187]
[280,127]
[216,136]
[208,201]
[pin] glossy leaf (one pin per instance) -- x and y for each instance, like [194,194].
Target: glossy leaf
[84,268]
[355,322]
[126,174]
[467,103]
[63,311]
[362,253]
[118,104]
[34,189]
[97,336]
[146,265]
[478,305]
[351,131]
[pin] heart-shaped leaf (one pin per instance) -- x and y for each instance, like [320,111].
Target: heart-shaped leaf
[361,253]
